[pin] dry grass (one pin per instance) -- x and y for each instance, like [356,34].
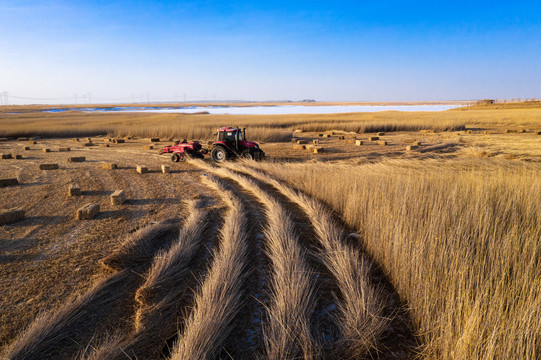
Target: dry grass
[292,301]
[361,303]
[219,299]
[460,245]
[56,332]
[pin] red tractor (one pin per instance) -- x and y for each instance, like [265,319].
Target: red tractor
[229,145]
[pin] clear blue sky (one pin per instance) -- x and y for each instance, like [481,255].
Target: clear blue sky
[268,50]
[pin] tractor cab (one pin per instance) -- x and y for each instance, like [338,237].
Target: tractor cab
[231,136]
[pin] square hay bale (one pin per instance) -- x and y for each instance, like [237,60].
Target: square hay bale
[9,216]
[411,147]
[427,131]
[317,149]
[149,147]
[298,130]
[341,137]
[416,143]
[104,145]
[76,139]
[373,138]
[87,212]
[22,139]
[77,159]
[522,131]
[469,132]
[350,141]
[118,197]
[74,190]
[299,147]
[320,135]
[64,149]
[3,139]
[302,141]
[142,169]
[538,133]
[109,166]
[327,135]
[155,139]
[381,142]
[166,169]
[9,182]
[358,142]
[88,144]
[315,142]
[381,134]
[509,131]
[18,157]
[26,148]
[48,166]
[7,156]
[33,142]
[46,150]
[119,141]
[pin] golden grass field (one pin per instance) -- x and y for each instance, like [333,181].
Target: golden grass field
[355,252]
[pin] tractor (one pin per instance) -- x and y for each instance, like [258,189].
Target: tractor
[231,144]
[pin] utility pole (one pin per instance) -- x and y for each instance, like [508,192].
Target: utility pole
[75,98]
[4,98]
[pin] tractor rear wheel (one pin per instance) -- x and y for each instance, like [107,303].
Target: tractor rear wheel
[218,154]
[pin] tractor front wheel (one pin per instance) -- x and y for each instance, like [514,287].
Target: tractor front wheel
[218,154]
[248,155]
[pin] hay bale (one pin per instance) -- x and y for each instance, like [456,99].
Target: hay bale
[341,137]
[327,135]
[154,139]
[64,149]
[48,166]
[87,212]
[537,132]
[33,142]
[18,157]
[294,140]
[373,138]
[486,132]
[77,159]
[118,197]
[416,143]
[26,148]
[469,132]
[315,142]
[9,182]
[302,141]
[3,139]
[509,131]
[109,166]
[142,169]
[149,147]
[166,169]
[427,131]
[88,144]
[521,131]
[104,145]
[76,139]
[411,147]
[22,139]
[74,190]
[317,149]
[350,141]
[299,147]
[381,142]
[358,142]
[8,216]
[320,135]
[381,133]
[46,150]
[119,141]
[299,130]
[6,156]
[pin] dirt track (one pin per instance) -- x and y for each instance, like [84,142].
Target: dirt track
[50,257]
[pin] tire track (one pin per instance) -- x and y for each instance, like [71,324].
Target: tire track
[292,300]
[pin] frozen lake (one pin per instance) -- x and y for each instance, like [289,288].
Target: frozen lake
[272,110]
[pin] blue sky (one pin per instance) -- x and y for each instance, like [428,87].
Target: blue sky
[261,50]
